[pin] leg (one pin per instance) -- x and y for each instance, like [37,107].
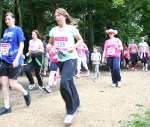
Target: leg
[97,70]
[116,69]
[37,74]
[78,66]
[110,64]
[15,85]
[67,87]
[5,91]
[84,62]
[27,69]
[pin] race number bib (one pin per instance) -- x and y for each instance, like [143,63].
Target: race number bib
[111,51]
[143,49]
[5,48]
[61,42]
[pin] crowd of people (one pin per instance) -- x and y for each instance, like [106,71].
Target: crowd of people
[63,56]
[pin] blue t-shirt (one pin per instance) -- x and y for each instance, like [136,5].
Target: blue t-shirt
[11,40]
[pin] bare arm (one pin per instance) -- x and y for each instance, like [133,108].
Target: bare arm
[78,43]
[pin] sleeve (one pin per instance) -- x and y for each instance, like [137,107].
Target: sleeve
[41,44]
[100,56]
[51,33]
[29,45]
[92,56]
[20,35]
[75,31]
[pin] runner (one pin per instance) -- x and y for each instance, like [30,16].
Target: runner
[96,59]
[133,50]
[12,51]
[52,80]
[82,51]
[34,60]
[62,37]
[126,55]
[112,52]
[144,53]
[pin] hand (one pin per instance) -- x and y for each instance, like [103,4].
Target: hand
[72,48]
[103,60]
[27,54]
[15,63]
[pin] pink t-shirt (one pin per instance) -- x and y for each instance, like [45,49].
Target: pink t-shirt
[133,48]
[82,50]
[126,52]
[53,56]
[111,46]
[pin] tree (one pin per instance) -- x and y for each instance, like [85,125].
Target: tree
[1,15]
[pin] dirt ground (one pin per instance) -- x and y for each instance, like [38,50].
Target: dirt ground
[101,104]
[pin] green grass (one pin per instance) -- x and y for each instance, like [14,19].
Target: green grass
[139,120]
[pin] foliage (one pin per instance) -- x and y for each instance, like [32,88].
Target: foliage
[139,121]
[130,18]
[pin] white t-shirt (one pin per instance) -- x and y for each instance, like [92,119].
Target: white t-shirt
[63,39]
[143,47]
[34,45]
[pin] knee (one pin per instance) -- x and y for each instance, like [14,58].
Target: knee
[63,81]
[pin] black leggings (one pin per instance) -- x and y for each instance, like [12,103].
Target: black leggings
[28,71]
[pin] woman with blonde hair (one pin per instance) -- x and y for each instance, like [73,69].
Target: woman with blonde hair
[63,37]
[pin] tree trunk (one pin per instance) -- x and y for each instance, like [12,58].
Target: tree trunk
[1,16]
[91,32]
[18,12]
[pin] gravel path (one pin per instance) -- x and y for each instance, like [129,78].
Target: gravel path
[101,104]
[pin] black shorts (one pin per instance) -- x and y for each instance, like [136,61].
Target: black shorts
[7,69]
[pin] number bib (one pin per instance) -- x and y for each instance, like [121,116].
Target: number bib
[111,51]
[5,48]
[143,49]
[61,42]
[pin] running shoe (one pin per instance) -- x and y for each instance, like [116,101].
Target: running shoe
[41,87]
[48,89]
[4,110]
[27,99]
[31,86]
[119,84]
[70,117]
[113,85]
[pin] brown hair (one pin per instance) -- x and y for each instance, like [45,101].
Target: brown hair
[37,33]
[10,14]
[69,19]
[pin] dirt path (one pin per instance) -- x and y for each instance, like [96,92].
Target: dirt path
[101,104]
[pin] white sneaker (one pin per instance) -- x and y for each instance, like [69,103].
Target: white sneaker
[113,85]
[41,87]
[69,118]
[31,86]
[119,84]
[77,75]
[48,89]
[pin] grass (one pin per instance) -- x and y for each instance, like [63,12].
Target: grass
[139,120]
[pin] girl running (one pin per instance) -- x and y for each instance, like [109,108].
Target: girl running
[62,36]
